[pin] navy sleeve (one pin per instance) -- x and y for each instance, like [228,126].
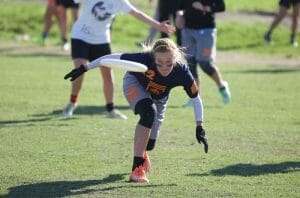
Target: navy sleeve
[189,83]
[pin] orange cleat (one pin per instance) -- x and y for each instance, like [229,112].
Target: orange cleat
[147,163]
[138,175]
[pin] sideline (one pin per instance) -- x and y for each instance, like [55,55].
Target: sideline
[223,57]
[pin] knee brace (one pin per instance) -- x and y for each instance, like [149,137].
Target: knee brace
[151,144]
[207,67]
[193,66]
[147,111]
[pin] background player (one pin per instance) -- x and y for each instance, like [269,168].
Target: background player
[284,5]
[199,37]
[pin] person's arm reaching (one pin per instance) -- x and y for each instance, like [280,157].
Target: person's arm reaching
[163,26]
[75,73]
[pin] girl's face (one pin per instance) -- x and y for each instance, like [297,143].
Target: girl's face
[164,62]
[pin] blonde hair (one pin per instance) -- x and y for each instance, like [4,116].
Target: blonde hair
[165,45]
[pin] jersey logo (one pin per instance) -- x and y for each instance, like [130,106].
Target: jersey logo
[100,11]
[155,88]
[150,74]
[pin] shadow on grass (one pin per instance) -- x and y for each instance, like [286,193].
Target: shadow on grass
[71,188]
[80,110]
[268,71]
[84,110]
[60,188]
[237,47]
[247,170]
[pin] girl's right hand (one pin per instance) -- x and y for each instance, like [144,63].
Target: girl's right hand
[166,27]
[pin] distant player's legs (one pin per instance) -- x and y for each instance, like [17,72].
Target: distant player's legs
[294,25]
[62,12]
[205,56]
[281,14]
[50,11]
[278,18]
[48,22]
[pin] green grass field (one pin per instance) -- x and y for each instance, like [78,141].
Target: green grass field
[254,141]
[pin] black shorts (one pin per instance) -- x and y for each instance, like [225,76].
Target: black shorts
[67,3]
[81,49]
[288,3]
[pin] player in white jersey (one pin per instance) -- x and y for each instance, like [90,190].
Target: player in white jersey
[90,39]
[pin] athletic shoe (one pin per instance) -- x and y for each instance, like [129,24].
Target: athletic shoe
[69,109]
[40,40]
[294,42]
[225,93]
[188,104]
[147,162]
[116,114]
[66,46]
[267,38]
[138,175]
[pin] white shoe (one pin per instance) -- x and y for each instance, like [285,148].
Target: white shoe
[66,46]
[116,114]
[225,93]
[69,109]
[295,44]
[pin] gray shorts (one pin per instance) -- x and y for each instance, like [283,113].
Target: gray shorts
[134,92]
[200,44]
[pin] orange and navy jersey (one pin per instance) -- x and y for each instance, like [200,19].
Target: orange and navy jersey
[160,86]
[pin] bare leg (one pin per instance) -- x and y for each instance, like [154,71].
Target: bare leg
[108,89]
[108,84]
[76,84]
[278,18]
[295,16]
[62,13]
[216,76]
[50,11]
[141,138]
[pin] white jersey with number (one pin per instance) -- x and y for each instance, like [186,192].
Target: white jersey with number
[94,21]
